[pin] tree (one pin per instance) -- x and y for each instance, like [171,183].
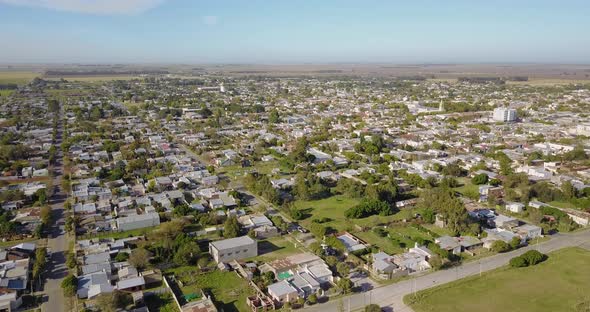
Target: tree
[568,190]
[479,179]
[114,301]
[533,257]
[69,284]
[274,116]
[500,246]
[231,227]
[186,254]
[318,230]
[312,299]
[122,256]
[139,258]
[515,242]
[518,262]
[71,261]
[343,269]
[372,308]
[428,215]
[345,285]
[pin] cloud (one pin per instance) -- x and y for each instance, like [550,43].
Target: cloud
[100,7]
[210,20]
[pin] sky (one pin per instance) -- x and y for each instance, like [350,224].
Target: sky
[294,31]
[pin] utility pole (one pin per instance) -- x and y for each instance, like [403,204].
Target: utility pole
[479,268]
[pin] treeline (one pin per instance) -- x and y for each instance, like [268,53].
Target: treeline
[8,86]
[496,80]
[104,72]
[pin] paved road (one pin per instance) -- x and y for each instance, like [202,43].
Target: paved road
[391,296]
[57,242]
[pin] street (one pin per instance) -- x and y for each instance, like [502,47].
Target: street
[391,296]
[57,243]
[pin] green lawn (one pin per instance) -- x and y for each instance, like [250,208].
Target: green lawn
[403,233]
[162,302]
[332,207]
[558,284]
[467,188]
[6,92]
[16,242]
[228,289]
[117,235]
[275,248]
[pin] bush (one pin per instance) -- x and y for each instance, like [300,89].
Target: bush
[479,179]
[69,285]
[500,246]
[312,299]
[530,257]
[518,262]
[533,257]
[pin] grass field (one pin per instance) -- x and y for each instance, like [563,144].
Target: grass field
[6,92]
[332,207]
[558,284]
[548,82]
[275,248]
[92,78]
[18,77]
[16,242]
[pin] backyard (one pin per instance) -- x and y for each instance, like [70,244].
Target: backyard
[228,290]
[558,284]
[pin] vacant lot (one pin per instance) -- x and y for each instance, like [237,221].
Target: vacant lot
[228,289]
[275,248]
[558,284]
[332,208]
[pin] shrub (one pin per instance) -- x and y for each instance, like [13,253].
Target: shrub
[312,299]
[479,179]
[518,262]
[500,246]
[533,257]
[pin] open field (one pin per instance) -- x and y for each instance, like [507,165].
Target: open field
[90,78]
[332,207]
[18,77]
[558,284]
[275,248]
[548,82]
[6,92]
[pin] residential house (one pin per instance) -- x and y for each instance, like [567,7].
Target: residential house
[233,249]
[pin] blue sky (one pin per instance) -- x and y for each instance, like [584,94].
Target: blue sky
[305,31]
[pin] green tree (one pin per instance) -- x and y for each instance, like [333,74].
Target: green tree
[533,257]
[568,190]
[139,258]
[479,179]
[500,246]
[518,262]
[122,256]
[231,227]
[274,116]
[343,269]
[312,299]
[345,285]
[69,284]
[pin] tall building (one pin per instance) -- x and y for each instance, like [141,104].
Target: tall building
[504,114]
